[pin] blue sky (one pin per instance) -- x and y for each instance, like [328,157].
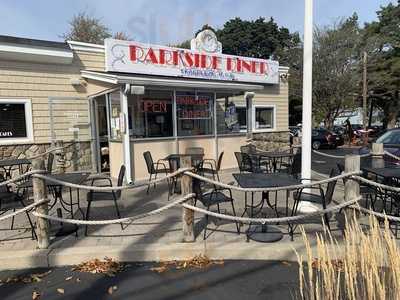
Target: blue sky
[166,22]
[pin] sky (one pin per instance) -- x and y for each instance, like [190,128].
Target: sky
[169,21]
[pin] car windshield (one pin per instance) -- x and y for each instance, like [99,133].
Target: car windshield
[389,137]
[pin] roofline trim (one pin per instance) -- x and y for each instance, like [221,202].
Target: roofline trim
[189,83]
[88,47]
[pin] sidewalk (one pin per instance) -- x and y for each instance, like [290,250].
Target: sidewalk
[154,238]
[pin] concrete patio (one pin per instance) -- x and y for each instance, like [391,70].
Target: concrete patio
[154,238]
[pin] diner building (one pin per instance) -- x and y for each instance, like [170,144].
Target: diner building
[123,98]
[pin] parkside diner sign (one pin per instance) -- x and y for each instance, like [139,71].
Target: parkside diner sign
[139,58]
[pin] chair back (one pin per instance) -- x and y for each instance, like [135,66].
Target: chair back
[149,162]
[120,180]
[249,149]
[331,187]
[50,160]
[194,150]
[244,162]
[340,167]
[295,168]
[3,188]
[219,162]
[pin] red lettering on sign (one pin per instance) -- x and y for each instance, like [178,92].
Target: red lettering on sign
[154,106]
[151,56]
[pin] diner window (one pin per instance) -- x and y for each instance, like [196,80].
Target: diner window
[231,113]
[152,114]
[194,113]
[264,117]
[15,120]
[115,114]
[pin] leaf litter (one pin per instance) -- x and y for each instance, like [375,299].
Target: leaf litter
[198,262]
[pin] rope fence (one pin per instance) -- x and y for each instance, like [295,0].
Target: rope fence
[376,184]
[272,220]
[21,177]
[51,150]
[126,220]
[391,155]
[340,156]
[20,211]
[109,188]
[271,189]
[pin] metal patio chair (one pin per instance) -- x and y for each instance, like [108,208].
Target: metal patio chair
[323,198]
[10,200]
[214,197]
[213,166]
[155,168]
[113,195]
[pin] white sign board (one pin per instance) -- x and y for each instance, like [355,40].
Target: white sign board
[139,58]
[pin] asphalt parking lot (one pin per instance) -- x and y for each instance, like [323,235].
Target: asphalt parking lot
[255,279]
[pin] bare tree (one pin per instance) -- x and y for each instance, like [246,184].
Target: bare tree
[335,70]
[121,35]
[86,28]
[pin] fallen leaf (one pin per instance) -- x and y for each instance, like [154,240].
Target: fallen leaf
[110,290]
[286,263]
[61,291]
[68,278]
[35,295]
[78,280]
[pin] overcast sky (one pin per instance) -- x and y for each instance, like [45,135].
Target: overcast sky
[168,21]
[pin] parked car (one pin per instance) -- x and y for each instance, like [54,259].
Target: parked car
[391,141]
[325,138]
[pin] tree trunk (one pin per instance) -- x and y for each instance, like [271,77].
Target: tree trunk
[392,111]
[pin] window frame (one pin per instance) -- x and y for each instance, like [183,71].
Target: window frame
[28,121]
[255,106]
[247,123]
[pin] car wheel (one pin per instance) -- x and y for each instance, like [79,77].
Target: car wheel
[316,145]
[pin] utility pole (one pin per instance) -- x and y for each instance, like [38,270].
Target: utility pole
[365,96]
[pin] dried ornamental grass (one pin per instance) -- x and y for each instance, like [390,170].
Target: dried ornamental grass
[366,265]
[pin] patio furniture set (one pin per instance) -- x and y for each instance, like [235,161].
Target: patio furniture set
[17,197]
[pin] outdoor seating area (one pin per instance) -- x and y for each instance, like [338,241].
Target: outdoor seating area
[264,185]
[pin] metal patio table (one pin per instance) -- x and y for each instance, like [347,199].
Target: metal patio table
[278,158]
[57,189]
[174,164]
[8,164]
[386,172]
[264,233]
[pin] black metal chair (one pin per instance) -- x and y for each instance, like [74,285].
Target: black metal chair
[323,198]
[113,195]
[244,162]
[213,198]
[155,168]
[366,191]
[50,160]
[10,200]
[294,168]
[214,166]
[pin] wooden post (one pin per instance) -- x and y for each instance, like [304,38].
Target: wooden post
[377,156]
[187,214]
[351,187]
[39,193]
[377,150]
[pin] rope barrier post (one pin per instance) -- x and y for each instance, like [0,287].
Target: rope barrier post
[351,186]
[377,156]
[187,214]
[377,150]
[60,156]
[40,193]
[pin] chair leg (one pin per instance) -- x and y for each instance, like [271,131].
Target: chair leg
[34,236]
[118,213]
[234,213]
[12,221]
[87,215]
[155,178]
[148,187]
[205,227]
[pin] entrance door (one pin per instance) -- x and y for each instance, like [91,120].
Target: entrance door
[102,132]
